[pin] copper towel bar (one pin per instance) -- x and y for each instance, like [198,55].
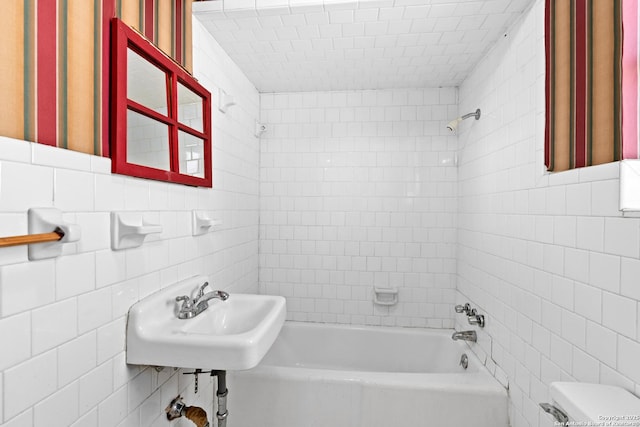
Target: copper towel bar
[29,239]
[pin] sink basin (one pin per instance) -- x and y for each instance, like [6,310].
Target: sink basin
[229,335]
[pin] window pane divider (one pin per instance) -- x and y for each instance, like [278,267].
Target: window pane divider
[146,111]
[191,131]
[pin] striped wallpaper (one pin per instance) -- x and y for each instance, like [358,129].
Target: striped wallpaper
[630,119]
[55,59]
[584,82]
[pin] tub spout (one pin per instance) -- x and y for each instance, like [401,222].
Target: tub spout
[465,336]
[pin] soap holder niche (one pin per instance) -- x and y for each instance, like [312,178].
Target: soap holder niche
[385,296]
[202,223]
[129,229]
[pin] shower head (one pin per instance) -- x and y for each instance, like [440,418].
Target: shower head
[453,124]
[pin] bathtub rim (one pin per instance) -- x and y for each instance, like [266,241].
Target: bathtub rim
[478,381]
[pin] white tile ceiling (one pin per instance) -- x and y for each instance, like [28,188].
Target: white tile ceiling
[314,45]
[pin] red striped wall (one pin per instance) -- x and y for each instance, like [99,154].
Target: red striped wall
[591,82]
[64,70]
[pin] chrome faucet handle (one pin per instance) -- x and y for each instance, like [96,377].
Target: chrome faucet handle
[475,319]
[201,290]
[463,308]
[186,301]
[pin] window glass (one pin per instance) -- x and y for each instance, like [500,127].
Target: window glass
[189,108]
[147,141]
[146,83]
[191,154]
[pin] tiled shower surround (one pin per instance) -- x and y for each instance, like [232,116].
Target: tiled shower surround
[358,190]
[548,258]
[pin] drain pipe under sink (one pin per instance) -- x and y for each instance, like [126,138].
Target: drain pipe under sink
[177,408]
[221,394]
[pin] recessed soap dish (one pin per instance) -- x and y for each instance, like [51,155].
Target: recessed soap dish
[385,296]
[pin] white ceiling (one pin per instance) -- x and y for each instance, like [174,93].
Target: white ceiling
[315,45]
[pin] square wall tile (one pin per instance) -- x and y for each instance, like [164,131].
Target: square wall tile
[15,330]
[622,236]
[15,150]
[35,189]
[605,198]
[619,314]
[76,358]
[26,286]
[88,419]
[73,190]
[30,382]
[94,310]
[604,271]
[590,233]
[54,325]
[48,412]
[96,228]
[111,339]
[588,300]
[95,386]
[629,273]
[110,267]
[110,193]
[75,275]
[47,155]
[628,355]
[585,368]
[113,409]
[24,419]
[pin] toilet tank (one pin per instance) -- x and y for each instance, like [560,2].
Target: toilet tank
[596,403]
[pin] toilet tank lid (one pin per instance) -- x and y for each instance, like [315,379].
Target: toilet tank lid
[594,402]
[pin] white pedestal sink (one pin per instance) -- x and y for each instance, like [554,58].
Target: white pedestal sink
[229,335]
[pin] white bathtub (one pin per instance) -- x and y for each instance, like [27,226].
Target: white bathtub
[345,376]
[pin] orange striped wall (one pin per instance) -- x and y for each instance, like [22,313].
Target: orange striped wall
[12,85]
[591,82]
[584,39]
[54,64]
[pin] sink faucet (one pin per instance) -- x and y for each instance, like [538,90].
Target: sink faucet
[191,308]
[201,291]
[465,336]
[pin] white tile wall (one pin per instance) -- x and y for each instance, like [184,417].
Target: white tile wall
[358,189]
[62,321]
[314,45]
[547,257]
[351,189]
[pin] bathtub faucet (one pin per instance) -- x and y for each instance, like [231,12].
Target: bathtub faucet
[191,308]
[465,336]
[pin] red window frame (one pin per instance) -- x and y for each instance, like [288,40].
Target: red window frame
[123,39]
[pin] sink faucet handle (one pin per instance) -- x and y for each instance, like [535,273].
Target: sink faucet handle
[201,290]
[186,301]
